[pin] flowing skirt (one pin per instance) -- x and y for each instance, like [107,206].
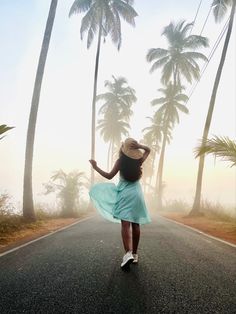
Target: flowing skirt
[124,201]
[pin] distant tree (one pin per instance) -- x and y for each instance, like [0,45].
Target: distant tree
[116,111]
[120,96]
[112,127]
[68,188]
[148,166]
[180,58]
[28,204]
[4,128]
[152,137]
[102,16]
[221,147]
[170,104]
[220,8]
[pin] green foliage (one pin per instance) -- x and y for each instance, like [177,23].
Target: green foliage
[4,128]
[68,188]
[221,147]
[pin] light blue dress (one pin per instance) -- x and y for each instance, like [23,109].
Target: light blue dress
[124,201]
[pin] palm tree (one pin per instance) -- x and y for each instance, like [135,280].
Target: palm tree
[112,127]
[102,16]
[119,95]
[28,204]
[148,166]
[171,102]
[180,59]
[222,147]
[68,188]
[152,138]
[117,110]
[219,9]
[4,128]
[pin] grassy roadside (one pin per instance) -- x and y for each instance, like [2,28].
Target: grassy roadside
[14,230]
[214,220]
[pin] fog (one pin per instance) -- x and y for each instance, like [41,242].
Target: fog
[64,119]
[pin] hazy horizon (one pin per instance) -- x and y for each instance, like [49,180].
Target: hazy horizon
[63,126]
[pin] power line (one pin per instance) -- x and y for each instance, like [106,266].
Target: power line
[206,20]
[195,16]
[217,42]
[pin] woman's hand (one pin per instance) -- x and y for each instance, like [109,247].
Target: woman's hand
[134,145]
[93,163]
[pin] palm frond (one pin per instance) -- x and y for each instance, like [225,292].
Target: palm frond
[220,8]
[156,53]
[126,11]
[80,6]
[4,128]
[196,42]
[221,147]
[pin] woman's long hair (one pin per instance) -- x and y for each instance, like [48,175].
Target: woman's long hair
[130,169]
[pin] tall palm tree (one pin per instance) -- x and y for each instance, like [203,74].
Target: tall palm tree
[172,101]
[112,127]
[28,204]
[219,9]
[4,128]
[219,146]
[180,59]
[102,16]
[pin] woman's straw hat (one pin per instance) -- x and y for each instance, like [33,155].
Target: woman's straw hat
[131,152]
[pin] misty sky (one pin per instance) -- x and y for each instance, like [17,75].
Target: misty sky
[63,126]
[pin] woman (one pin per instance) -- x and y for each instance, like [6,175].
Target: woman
[125,201]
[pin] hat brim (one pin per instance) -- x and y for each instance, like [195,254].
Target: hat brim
[132,153]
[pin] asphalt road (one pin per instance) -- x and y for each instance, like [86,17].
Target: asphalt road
[77,270]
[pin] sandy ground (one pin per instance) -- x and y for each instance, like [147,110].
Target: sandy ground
[28,234]
[220,229]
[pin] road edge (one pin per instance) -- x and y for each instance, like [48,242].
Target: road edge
[44,236]
[201,232]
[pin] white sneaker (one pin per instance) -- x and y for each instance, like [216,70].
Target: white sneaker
[127,259]
[135,256]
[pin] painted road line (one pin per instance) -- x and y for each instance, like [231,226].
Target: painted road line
[201,232]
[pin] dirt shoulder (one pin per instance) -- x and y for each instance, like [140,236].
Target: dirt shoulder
[34,231]
[224,230]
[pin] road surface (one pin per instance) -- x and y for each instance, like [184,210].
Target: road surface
[77,270]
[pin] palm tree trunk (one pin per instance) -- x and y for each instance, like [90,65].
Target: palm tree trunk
[108,156]
[152,167]
[94,99]
[112,153]
[197,200]
[159,185]
[175,76]
[28,204]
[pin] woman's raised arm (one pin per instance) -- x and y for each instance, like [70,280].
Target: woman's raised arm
[107,175]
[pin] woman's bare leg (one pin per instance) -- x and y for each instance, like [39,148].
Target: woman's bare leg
[135,236]
[126,235]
